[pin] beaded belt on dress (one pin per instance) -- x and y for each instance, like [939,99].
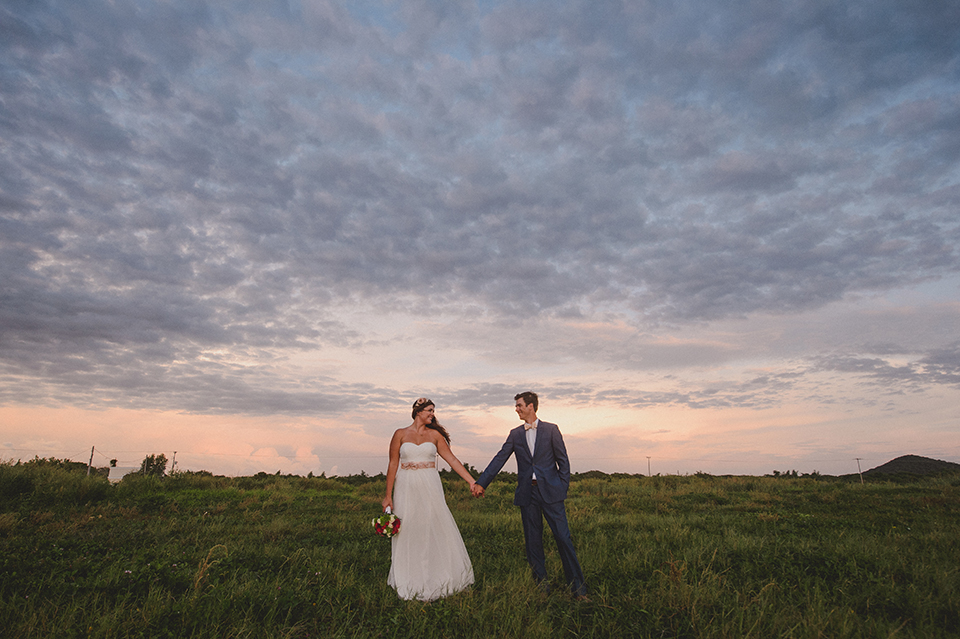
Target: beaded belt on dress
[417,465]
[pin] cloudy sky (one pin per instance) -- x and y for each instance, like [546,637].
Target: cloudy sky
[717,237]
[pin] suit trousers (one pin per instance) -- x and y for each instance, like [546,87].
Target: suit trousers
[532,517]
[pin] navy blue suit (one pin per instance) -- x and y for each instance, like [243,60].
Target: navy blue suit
[543,500]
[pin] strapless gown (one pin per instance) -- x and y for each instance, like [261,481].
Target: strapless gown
[428,558]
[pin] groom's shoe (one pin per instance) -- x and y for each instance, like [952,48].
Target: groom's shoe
[544,587]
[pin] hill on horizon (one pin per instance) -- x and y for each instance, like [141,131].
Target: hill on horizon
[914,465]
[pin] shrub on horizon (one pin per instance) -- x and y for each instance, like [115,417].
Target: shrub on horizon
[154,465]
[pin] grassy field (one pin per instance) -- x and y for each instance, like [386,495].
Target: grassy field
[194,555]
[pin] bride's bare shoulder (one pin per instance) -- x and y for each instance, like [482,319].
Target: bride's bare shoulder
[401,433]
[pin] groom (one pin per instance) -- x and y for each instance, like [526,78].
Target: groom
[543,474]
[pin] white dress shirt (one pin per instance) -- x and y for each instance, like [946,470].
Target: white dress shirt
[531,434]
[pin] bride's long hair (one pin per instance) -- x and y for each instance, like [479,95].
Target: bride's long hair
[421,404]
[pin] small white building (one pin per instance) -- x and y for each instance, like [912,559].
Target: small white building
[117,473]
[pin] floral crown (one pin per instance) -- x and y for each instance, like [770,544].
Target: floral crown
[422,403]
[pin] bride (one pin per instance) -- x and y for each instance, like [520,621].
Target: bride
[428,558]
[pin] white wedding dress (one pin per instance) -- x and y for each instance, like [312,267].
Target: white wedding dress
[429,559]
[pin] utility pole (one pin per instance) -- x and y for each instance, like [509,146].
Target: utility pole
[859,472]
[648,465]
[173,466]
[90,463]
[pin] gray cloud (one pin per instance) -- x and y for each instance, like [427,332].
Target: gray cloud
[180,177]
[937,366]
[762,390]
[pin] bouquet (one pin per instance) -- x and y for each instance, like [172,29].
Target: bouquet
[386,525]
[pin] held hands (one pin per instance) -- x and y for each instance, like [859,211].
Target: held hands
[476,490]
[387,503]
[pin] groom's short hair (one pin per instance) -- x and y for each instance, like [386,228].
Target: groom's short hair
[528,397]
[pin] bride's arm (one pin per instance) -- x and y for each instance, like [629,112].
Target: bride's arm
[392,470]
[444,450]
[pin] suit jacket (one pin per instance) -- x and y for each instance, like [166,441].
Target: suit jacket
[549,461]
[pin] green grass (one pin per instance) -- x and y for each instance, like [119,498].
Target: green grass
[194,555]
